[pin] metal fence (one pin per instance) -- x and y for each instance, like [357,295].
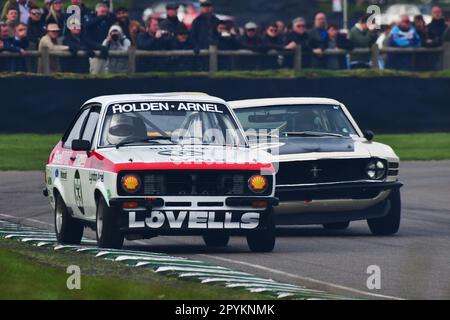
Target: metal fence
[212,57]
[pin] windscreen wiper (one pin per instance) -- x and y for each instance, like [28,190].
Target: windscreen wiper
[312,134]
[147,139]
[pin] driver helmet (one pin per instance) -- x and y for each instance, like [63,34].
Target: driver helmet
[121,127]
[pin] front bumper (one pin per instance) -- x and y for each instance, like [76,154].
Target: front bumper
[334,191]
[154,216]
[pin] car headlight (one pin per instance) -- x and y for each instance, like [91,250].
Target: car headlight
[131,183]
[258,183]
[376,170]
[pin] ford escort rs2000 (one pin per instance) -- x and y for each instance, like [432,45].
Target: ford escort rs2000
[139,166]
[329,172]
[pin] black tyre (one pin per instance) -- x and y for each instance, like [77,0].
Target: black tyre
[390,223]
[68,229]
[263,240]
[216,239]
[337,225]
[107,228]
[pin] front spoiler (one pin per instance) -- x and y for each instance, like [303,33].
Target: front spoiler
[333,191]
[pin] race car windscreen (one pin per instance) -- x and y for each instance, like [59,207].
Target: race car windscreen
[324,119]
[170,122]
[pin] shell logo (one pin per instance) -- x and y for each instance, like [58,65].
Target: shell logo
[131,183]
[258,183]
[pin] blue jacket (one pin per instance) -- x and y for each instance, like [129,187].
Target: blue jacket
[404,39]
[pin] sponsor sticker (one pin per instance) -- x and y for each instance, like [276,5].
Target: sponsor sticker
[194,220]
[63,174]
[78,191]
[95,176]
[165,106]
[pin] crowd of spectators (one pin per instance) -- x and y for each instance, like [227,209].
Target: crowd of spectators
[24,26]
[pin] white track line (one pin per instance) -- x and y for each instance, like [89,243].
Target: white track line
[26,219]
[294,276]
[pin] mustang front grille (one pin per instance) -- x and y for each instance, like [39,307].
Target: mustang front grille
[322,171]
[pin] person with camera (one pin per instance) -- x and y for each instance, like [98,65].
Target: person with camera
[116,41]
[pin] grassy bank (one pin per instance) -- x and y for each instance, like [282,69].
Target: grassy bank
[30,151]
[40,273]
[259,74]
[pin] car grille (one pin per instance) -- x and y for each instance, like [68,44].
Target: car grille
[321,171]
[194,183]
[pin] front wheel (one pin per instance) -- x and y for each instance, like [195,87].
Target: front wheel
[263,240]
[390,223]
[68,229]
[108,230]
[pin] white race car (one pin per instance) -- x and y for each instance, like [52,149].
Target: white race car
[328,171]
[139,166]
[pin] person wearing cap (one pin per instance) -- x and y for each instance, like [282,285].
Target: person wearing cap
[53,42]
[56,14]
[171,23]
[250,40]
[123,20]
[181,41]
[116,41]
[203,28]
[36,27]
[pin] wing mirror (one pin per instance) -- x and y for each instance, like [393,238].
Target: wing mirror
[81,145]
[368,134]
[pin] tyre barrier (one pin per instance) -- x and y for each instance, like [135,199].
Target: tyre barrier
[180,267]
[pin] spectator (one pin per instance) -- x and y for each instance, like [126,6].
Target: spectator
[271,38]
[251,40]
[383,42]
[8,44]
[319,32]
[281,29]
[36,27]
[300,37]
[182,40]
[171,23]
[97,29]
[23,8]
[421,29]
[123,21]
[134,30]
[52,41]
[333,41]
[56,14]
[224,39]
[21,42]
[76,42]
[436,28]
[203,27]
[402,36]
[362,37]
[117,41]
[152,39]
[12,20]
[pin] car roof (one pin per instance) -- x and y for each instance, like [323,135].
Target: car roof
[182,96]
[253,103]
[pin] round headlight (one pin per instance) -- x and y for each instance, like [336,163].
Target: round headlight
[376,170]
[258,183]
[131,183]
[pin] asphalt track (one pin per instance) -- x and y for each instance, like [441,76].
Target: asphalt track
[415,264]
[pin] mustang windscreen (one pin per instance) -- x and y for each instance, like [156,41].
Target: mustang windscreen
[170,122]
[292,118]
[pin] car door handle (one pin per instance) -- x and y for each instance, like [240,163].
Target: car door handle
[73,158]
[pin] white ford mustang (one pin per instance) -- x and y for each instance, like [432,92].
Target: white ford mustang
[328,171]
[138,166]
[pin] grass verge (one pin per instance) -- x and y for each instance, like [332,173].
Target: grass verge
[40,274]
[30,151]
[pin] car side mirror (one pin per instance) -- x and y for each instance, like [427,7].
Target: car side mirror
[81,145]
[368,134]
